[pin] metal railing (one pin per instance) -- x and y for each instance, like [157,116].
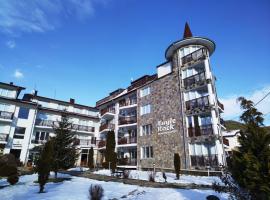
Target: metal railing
[201,103]
[127,120]
[200,130]
[127,102]
[3,137]
[6,115]
[220,105]
[127,140]
[204,160]
[195,80]
[194,56]
[45,122]
[83,128]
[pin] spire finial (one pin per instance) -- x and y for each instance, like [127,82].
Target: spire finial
[187,31]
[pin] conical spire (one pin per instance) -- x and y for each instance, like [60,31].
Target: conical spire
[187,31]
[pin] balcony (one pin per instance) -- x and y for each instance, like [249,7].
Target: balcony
[107,112]
[108,126]
[38,141]
[126,120]
[200,54]
[195,81]
[45,122]
[3,138]
[127,140]
[83,128]
[6,115]
[220,106]
[198,105]
[85,142]
[127,161]
[127,102]
[204,161]
[101,143]
[200,130]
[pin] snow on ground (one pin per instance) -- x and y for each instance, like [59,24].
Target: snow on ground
[79,169]
[77,189]
[184,179]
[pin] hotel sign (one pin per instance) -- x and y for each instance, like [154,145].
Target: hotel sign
[166,126]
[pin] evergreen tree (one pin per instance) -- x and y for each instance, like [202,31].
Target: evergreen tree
[65,153]
[110,150]
[250,163]
[91,158]
[177,164]
[43,166]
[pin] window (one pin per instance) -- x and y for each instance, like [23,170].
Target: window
[145,109]
[62,107]
[4,107]
[77,110]
[7,93]
[23,113]
[147,152]
[19,133]
[41,136]
[206,120]
[146,129]
[145,91]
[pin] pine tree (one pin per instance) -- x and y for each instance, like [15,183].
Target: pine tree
[65,153]
[43,166]
[91,158]
[177,164]
[250,163]
[110,150]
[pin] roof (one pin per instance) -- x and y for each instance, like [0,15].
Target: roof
[12,85]
[187,31]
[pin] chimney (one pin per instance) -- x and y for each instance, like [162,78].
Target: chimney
[34,92]
[11,83]
[72,101]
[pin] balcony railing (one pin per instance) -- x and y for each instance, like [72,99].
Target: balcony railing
[101,143]
[86,142]
[127,120]
[6,115]
[83,128]
[45,122]
[106,126]
[201,103]
[3,137]
[195,81]
[127,140]
[38,141]
[128,102]
[200,130]
[127,161]
[195,56]
[204,161]
[107,110]
[220,105]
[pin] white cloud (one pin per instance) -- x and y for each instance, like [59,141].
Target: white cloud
[18,74]
[232,107]
[11,44]
[40,16]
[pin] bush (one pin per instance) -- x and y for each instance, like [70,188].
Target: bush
[96,192]
[13,179]
[126,174]
[212,197]
[151,176]
[8,168]
[177,164]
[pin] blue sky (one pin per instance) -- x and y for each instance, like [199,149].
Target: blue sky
[85,49]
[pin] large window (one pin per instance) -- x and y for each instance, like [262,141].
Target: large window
[145,91]
[4,107]
[147,152]
[41,136]
[145,109]
[146,129]
[7,93]
[19,133]
[23,113]
[206,120]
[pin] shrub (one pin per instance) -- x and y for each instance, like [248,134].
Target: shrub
[8,168]
[212,197]
[96,192]
[13,179]
[151,176]
[91,158]
[126,174]
[177,164]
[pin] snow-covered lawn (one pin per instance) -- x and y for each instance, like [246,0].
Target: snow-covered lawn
[77,189]
[184,179]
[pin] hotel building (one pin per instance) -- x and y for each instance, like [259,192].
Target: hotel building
[28,122]
[173,111]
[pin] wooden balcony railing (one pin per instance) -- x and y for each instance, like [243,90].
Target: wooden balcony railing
[106,126]
[127,140]
[6,115]
[200,130]
[107,110]
[195,81]
[127,120]
[199,103]
[204,161]
[195,56]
